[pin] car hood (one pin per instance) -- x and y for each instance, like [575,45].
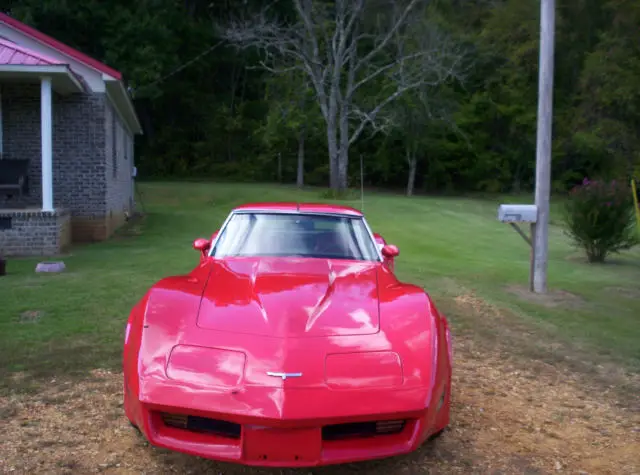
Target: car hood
[286,298]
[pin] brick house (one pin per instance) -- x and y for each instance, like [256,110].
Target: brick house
[67,127]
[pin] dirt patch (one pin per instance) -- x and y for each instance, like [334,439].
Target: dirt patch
[553,298]
[626,292]
[133,227]
[507,417]
[31,316]
[498,329]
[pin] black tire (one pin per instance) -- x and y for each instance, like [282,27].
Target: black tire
[438,434]
[135,427]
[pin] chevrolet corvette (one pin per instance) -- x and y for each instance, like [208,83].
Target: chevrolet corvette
[290,344]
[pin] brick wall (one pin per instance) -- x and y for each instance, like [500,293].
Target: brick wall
[34,233]
[83,157]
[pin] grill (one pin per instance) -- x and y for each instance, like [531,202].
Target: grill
[362,429]
[202,424]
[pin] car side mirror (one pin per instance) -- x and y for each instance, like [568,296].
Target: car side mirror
[390,251]
[201,245]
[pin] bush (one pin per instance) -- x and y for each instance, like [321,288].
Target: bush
[600,218]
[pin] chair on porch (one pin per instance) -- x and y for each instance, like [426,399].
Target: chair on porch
[14,177]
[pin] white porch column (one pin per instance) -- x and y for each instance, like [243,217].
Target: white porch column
[47,144]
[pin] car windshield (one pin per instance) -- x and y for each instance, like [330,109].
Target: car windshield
[295,235]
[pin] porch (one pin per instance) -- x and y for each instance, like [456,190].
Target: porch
[30,221]
[34,232]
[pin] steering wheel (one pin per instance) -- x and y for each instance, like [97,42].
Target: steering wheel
[327,244]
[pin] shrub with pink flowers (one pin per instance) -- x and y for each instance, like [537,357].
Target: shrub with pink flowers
[600,218]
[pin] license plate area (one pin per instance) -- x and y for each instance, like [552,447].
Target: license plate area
[270,445]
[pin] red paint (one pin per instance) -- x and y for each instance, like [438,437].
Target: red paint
[382,369]
[47,40]
[389,252]
[211,367]
[302,207]
[369,347]
[296,297]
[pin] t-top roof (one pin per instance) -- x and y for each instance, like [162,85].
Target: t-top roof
[299,207]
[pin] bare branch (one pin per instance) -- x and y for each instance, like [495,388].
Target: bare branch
[436,61]
[331,43]
[365,60]
[382,69]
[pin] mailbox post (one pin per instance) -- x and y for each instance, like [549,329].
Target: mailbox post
[515,214]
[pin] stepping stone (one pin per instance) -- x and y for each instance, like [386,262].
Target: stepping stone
[50,267]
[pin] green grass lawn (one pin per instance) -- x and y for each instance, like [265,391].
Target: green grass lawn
[68,323]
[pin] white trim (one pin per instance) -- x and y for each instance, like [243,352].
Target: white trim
[47,142]
[131,109]
[118,112]
[35,68]
[39,70]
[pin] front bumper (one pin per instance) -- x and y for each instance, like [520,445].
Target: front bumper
[298,435]
[266,443]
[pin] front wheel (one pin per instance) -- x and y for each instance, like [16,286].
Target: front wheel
[437,434]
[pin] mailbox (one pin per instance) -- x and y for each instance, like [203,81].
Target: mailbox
[518,213]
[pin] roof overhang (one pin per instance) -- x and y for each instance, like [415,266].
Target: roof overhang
[63,80]
[58,46]
[122,102]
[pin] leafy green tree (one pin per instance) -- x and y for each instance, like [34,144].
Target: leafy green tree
[343,47]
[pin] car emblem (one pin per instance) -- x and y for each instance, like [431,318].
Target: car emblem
[284,375]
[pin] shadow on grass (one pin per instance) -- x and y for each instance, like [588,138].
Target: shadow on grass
[71,359]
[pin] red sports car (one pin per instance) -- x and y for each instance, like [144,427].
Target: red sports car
[291,343]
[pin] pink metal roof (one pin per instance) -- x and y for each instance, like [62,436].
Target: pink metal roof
[47,40]
[15,55]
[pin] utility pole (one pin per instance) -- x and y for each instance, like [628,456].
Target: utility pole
[543,145]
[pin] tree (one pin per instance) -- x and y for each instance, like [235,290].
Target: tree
[418,117]
[290,115]
[343,47]
[609,99]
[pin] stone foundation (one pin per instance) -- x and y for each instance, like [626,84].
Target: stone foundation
[33,232]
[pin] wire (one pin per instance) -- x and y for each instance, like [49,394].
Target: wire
[133,91]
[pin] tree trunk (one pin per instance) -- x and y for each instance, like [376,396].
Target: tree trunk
[279,167]
[413,164]
[343,160]
[343,166]
[516,187]
[332,145]
[300,178]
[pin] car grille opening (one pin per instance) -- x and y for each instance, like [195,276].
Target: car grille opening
[202,424]
[362,429]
